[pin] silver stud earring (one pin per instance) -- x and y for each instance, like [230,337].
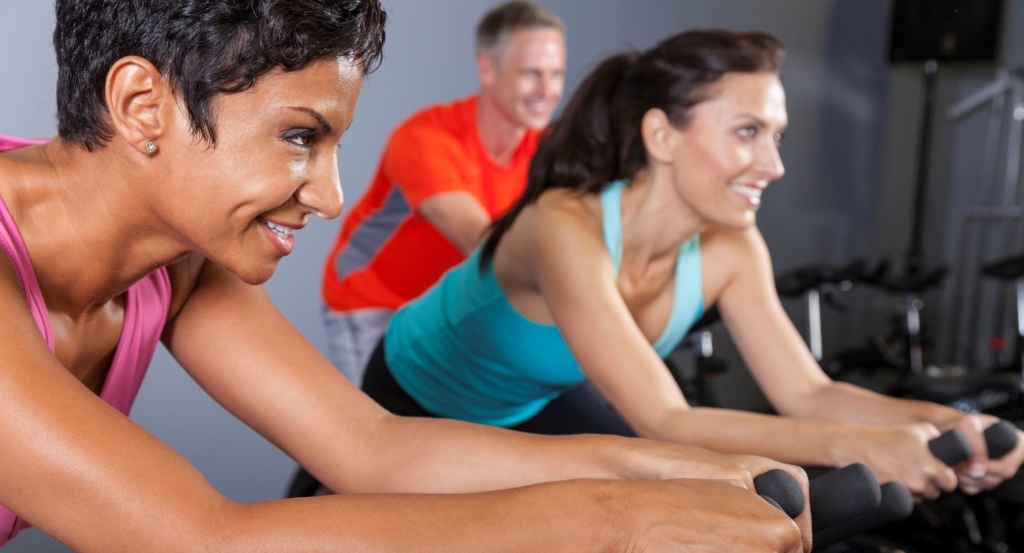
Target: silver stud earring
[151,147]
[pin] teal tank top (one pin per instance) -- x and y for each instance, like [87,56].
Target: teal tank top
[463,352]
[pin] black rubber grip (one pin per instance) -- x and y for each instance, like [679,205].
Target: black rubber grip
[951,447]
[1000,438]
[896,504]
[843,494]
[783,489]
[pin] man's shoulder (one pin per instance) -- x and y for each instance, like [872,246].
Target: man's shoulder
[452,119]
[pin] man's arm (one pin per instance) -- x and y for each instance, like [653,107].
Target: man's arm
[459,216]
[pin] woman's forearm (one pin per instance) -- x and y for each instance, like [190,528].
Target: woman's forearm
[839,401]
[789,440]
[582,515]
[444,456]
[566,517]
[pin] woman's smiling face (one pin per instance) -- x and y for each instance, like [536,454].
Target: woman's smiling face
[729,152]
[273,164]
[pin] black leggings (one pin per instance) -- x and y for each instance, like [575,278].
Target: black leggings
[578,411]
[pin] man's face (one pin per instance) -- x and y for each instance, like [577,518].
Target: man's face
[526,76]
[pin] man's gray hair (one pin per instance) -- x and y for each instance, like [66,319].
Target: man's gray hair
[503,20]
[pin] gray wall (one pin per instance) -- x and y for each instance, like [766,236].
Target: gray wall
[842,142]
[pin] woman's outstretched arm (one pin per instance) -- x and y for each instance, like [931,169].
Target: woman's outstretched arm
[87,475]
[578,283]
[239,347]
[795,383]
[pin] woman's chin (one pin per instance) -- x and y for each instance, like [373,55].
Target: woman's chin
[738,221]
[256,273]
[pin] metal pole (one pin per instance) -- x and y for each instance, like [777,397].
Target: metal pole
[915,255]
[914,306]
[814,322]
[1020,320]
[957,342]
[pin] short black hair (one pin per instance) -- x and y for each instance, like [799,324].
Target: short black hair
[202,47]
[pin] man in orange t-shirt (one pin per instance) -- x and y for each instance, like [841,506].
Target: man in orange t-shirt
[445,174]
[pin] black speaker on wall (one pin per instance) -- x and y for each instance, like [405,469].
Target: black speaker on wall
[945,30]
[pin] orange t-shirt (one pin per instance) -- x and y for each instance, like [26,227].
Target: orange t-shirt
[387,253]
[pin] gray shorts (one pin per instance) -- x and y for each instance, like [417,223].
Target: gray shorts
[351,338]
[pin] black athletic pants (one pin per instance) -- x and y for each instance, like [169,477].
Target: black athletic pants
[578,411]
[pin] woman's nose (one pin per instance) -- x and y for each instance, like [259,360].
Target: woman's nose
[322,192]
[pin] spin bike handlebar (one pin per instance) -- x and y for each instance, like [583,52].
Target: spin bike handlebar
[896,502]
[835,496]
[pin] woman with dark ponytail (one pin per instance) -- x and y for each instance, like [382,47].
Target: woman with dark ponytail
[640,214]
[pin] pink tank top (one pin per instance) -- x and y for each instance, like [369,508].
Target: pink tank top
[145,313]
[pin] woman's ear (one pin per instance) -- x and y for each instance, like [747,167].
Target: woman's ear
[659,136]
[139,101]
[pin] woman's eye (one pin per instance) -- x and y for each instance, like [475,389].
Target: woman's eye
[302,138]
[778,138]
[747,132]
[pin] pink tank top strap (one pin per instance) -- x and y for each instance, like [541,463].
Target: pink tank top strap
[146,307]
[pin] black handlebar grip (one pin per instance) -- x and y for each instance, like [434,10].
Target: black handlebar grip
[784,491]
[951,447]
[1000,438]
[896,504]
[843,494]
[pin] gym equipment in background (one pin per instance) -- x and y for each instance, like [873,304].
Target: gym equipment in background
[933,31]
[816,283]
[998,207]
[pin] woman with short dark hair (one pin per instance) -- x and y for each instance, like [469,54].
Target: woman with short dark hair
[196,136]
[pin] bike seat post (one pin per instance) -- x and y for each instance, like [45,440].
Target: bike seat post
[914,306]
[705,344]
[707,368]
[1020,321]
[814,322]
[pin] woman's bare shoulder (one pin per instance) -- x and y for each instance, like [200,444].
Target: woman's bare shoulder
[563,228]
[566,211]
[728,253]
[560,229]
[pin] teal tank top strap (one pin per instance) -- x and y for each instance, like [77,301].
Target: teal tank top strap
[611,216]
[687,301]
